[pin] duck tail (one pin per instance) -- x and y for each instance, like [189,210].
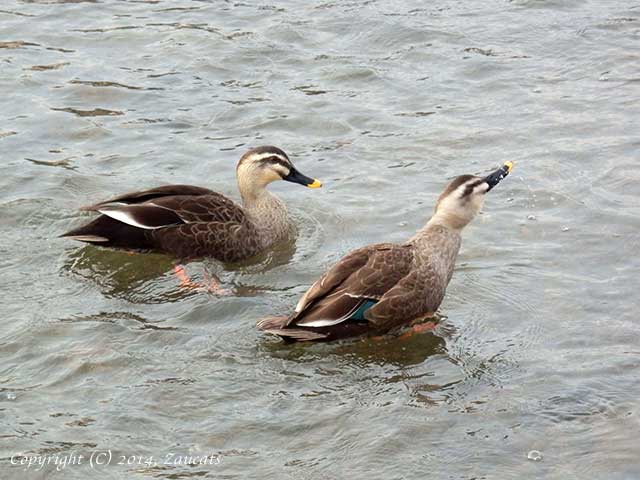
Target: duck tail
[90,233]
[107,232]
[270,323]
[278,326]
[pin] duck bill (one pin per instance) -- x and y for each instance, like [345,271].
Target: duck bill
[296,177]
[496,177]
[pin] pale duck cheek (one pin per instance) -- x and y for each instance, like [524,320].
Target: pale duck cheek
[482,188]
[281,171]
[479,204]
[271,175]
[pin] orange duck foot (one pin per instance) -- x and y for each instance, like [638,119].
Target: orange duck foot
[420,328]
[211,285]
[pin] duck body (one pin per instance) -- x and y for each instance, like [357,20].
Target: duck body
[374,289]
[194,222]
[184,221]
[379,287]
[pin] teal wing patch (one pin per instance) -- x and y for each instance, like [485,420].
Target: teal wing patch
[359,313]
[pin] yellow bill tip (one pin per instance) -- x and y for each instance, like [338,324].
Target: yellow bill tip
[315,184]
[509,166]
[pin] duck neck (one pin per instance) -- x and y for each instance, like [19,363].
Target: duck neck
[448,220]
[438,224]
[437,243]
[268,213]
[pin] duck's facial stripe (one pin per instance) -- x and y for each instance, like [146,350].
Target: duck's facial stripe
[267,156]
[276,162]
[470,187]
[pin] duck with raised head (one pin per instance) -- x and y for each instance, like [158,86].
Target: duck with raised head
[193,222]
[377,288]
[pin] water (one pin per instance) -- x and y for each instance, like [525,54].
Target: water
[384,101]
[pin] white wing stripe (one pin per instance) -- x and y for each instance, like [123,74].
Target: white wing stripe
[124,217]
[320,323]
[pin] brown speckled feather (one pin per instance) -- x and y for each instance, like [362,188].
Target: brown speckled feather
[183,220]
[212,207]
[421,292]
[418,294]
[224,241]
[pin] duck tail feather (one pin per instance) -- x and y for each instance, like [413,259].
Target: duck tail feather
[85,238]
[269,323]
[296,334]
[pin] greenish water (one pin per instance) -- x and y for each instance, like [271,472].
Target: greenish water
[100,351]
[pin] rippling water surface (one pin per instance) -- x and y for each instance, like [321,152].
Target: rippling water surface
[384,101]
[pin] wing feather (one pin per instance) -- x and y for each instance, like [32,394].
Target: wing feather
[365,274]
[142,196]
[212,207]
[418,294]
[174,210]
[147,216]
[346,266]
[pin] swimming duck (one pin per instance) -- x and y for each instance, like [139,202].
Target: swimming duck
[194,222]
[379,287]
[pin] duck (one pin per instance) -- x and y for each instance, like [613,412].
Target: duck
[190,222]
[377,288]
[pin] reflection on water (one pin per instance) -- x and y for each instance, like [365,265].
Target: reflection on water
[138,276]
[116,317]
[392,349]
[129,275]
[383,101]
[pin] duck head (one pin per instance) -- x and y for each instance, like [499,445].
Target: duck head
[463,197]
[262,165]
